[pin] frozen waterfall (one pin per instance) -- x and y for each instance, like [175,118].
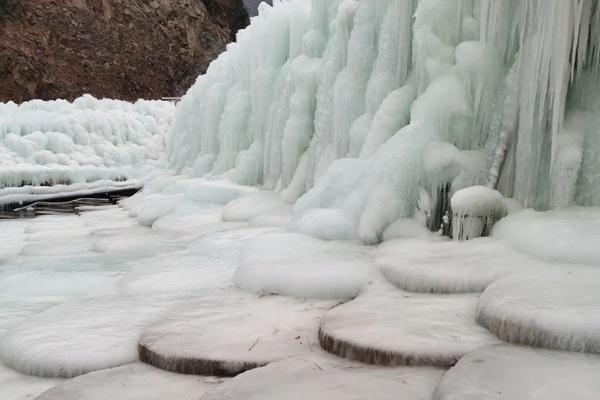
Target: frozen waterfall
[363,112]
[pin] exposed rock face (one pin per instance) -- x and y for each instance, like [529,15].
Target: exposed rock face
[125,49]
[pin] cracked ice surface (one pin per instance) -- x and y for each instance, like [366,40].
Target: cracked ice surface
[507,372]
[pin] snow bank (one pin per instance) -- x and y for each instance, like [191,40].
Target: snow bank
[46,143]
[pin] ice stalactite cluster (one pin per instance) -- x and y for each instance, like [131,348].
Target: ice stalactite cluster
[46,143]
[348,108]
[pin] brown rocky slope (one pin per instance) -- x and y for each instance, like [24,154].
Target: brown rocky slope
[126,49]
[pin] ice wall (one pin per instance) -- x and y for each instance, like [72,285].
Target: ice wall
[362,112]
[57,142]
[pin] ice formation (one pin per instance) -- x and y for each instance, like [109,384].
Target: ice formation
[224,333]
[444,266]
[556,308]
[364,112]
[506,372]
[292,264]
[323,378]
[130,382]
[398,328]
[46,143]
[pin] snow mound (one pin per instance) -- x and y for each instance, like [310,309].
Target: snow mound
[301,266]
[227,333]
[441,266]
[253,205]
[78,337]
[131,382]
[56,142]
[321,378]
[566,235]
[505,372]
[396,328]
[557,308]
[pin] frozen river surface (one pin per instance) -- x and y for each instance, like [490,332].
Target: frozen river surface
[220,291]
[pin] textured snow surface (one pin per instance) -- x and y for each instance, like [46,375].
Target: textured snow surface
[506,372]
[442,266]
[302,266]
[395,328]
[225,333]
[80,336]
[16,386]
[567,235]
[56,142]
[323,378]
[556,308]
[132,382]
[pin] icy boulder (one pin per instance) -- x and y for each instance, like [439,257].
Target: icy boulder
[557,308]
[559,236]
[297,265]
[397,328]
[475,210]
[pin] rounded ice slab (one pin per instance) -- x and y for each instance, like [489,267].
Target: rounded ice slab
[131,382]
[79,337]
[214,337]
[506,372]
[429,266]
[297,265]
[556,308]
[395,328]
[566,235]
[323,379]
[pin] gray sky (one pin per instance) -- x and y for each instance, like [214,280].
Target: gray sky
[252,5]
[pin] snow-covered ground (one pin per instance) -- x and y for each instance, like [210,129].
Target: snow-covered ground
[169,279]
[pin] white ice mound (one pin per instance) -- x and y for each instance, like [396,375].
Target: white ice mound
[57,142]
[557,308]
[475,210]
[79,337]
[254,205]
[323,378]
[505,372]
[397,328]
[567,235]
[225,333]
[301,266]
[131,382]
[442,266]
